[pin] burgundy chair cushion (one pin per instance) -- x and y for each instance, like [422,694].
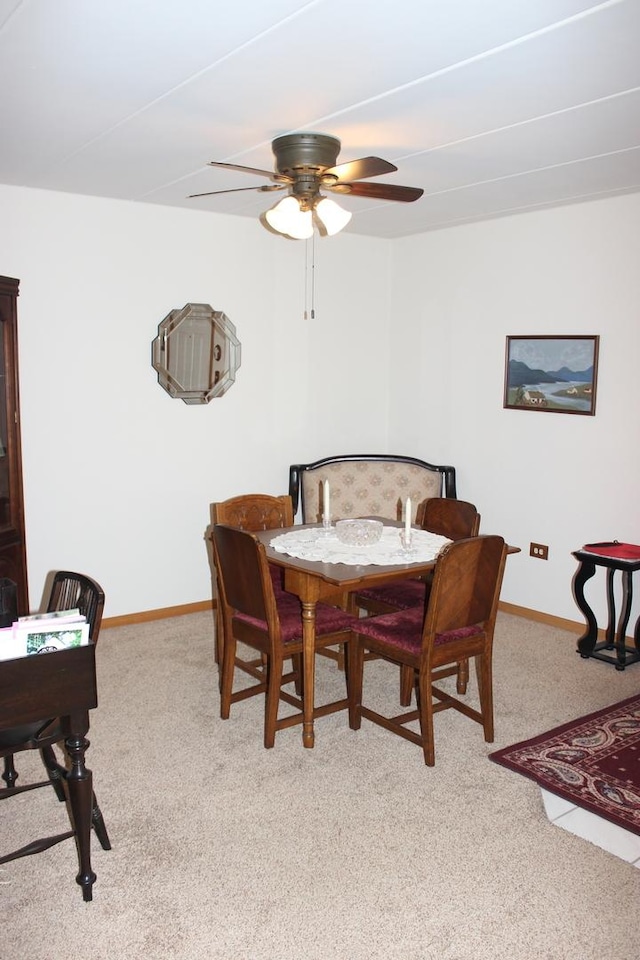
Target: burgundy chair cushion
[403,595]
[460,634]
[328,619]
[277,578]
[403,630]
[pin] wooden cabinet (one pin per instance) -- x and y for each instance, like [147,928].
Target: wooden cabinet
[13,557]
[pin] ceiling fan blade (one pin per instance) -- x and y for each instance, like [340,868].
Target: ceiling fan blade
[265,188]
[379,191]
[361,169]
[280,178]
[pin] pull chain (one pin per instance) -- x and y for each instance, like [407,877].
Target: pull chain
[306,279]
[313,276]
[310,278]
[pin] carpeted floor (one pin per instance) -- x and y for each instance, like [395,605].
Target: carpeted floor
[351,851]
[593,761]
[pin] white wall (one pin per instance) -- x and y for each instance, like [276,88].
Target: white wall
[118,476]
[557,479]
[405,355]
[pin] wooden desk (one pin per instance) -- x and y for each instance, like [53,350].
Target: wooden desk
[63,685]
[312,581]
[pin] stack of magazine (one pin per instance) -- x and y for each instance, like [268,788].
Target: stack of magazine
[44,633]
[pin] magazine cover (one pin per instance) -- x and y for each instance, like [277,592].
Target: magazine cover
[47,640]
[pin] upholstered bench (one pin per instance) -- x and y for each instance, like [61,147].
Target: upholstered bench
[367,485]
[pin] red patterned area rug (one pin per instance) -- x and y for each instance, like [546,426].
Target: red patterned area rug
[593,762]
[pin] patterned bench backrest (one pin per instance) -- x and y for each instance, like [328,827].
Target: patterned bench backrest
[368,487]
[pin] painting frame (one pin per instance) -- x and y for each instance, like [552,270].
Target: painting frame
[537,366]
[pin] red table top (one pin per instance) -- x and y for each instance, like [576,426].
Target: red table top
[615,550]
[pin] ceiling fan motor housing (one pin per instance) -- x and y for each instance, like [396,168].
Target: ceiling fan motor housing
[311,153]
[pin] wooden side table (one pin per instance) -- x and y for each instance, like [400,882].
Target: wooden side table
[614,637]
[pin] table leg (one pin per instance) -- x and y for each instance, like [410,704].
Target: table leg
[587,642]
[80,785]
[625,611]
[610,636]
[309,670]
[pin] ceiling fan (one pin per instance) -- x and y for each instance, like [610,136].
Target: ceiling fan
[305,164]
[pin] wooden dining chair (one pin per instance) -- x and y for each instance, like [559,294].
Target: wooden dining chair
[69,591]
[253,615]
[253,512]
[458,625]
[454,519]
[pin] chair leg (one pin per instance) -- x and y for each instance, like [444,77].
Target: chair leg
[355,670]
[463,677]
[425,713]
[484,674]
[57,775]
[219,648]
[296,662]
[55,771]
[407,678]
[228,667]
[98,824]
[272,698]
[349,665]
[10,774]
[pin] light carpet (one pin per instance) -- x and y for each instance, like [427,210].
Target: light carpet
[354,850]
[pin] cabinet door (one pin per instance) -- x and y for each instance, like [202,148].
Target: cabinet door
[12,539]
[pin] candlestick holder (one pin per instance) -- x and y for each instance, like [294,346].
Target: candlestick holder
[327,529]
[406,539]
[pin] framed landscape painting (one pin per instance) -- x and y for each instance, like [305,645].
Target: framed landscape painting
[551,374]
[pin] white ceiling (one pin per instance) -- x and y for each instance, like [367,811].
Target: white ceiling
[492,106]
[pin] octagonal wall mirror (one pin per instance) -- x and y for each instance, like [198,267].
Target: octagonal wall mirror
[196,353]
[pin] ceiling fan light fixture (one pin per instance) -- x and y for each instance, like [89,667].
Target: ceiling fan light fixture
[331,217]
[288,218]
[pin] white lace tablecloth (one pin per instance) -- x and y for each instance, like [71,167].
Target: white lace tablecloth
[312,543]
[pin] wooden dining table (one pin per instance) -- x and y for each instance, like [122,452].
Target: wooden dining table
[312,581]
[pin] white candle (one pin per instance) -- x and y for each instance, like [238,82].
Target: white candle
[326,503]
[407,518]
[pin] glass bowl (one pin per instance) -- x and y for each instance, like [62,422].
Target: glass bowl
[359,533]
